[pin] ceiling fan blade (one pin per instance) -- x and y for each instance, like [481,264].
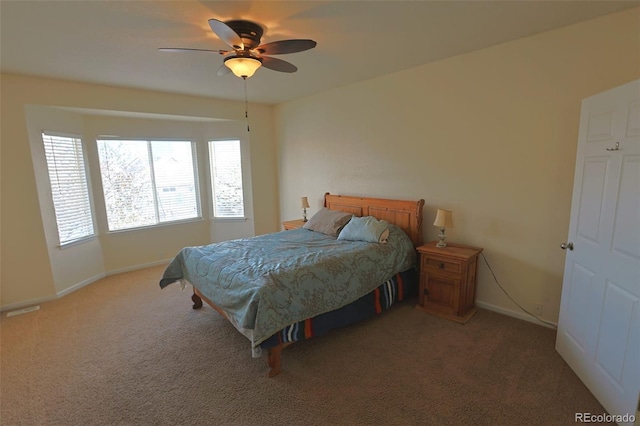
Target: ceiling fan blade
[226,34]
[278,64]
[286,46]
[186,49]
[223,70]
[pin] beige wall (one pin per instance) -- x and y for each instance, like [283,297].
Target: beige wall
[76,264]
[33,269]
[491,135]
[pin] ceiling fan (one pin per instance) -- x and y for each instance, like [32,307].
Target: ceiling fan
[247,54]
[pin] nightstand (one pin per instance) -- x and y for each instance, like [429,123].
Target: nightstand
[448,280]
[293,224]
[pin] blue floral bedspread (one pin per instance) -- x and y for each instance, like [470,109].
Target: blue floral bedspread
[267,282]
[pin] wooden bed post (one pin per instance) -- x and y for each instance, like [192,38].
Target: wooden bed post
[197,301]
[273,360]
[273,355]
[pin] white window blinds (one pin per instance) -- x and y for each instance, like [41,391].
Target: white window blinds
[148,182]
[226,178]
[69,187]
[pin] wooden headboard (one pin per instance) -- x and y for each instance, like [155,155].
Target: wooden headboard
[405,214]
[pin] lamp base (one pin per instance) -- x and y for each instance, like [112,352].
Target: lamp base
[304,214]
[441,238]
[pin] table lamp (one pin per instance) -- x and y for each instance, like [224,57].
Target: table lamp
[305,205]
[443,220]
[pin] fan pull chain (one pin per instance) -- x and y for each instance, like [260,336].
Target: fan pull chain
[246,103]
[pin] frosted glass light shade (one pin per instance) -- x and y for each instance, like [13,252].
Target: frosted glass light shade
[243,67]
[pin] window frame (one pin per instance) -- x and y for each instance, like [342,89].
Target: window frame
[149,141]
[212,195]
[87,182]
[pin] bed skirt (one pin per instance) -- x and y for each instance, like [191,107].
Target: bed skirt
[401,286]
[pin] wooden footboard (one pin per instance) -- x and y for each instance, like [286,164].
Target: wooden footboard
[273,355]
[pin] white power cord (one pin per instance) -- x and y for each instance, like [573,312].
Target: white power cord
[511,298]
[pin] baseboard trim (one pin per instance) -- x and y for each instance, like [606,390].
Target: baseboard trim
[81,284]
[20,305]
[136,267]
[515,314]
[78,286]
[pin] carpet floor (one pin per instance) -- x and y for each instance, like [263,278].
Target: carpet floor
[123,352]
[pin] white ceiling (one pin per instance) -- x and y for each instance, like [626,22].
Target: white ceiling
[116,42]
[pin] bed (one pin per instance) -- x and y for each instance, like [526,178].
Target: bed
[287,286]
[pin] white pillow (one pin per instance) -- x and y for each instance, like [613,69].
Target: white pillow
[368,229]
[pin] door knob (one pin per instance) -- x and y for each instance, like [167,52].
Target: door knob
[565,246]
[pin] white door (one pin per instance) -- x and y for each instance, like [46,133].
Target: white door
[599,326]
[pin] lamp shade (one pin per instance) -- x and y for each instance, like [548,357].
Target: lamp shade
[443,219]
[304,202]
[242,67]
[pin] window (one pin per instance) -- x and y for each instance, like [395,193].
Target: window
[148,182]
[226,178]
[69,187]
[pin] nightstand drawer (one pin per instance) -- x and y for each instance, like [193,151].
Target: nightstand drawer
[436,265]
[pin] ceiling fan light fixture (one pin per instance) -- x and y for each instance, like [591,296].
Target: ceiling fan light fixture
[242,67]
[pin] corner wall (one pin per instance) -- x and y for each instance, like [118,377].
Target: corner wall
[26,276]
[490,135]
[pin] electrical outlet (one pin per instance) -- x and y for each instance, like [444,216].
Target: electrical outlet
[537,309]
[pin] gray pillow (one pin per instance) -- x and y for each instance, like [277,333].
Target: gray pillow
[327,221]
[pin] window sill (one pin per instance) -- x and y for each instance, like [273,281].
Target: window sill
[230,219]
[155,226]
[77,242]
